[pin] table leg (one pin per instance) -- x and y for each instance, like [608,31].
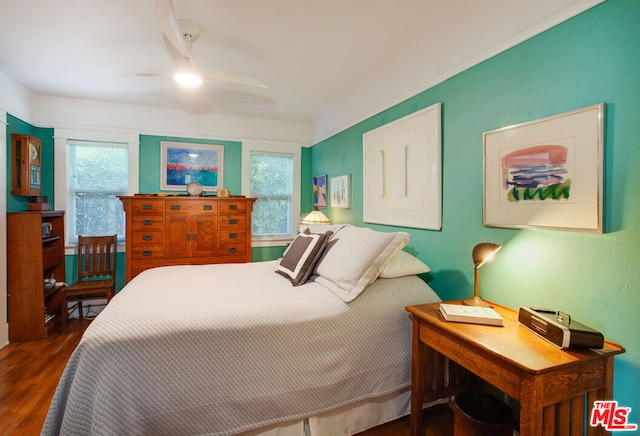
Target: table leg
[417,379]
[531,409]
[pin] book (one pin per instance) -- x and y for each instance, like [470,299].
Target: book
[470,314]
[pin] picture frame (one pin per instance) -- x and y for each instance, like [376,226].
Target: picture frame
[402,171]
[320,191]
[182,163]
[340,191]
[547,173]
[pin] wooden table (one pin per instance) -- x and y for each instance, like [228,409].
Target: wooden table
[552,385]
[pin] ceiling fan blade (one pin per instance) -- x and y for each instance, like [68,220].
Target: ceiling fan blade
[237,78]
[170,27]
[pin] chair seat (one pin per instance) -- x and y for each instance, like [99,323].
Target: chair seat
[89,287]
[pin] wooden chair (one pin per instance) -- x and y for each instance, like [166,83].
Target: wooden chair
[96,279]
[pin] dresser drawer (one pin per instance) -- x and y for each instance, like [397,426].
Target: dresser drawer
[191,206]
[147,222]
[147,237]
[232,236]
[236,250]
[147,206]
[231,207]
[232,222]
[147,252]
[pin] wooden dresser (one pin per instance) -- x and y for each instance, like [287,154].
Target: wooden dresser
[175,230]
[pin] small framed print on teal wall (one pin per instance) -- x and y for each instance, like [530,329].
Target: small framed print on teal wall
[320,191]
[340,191]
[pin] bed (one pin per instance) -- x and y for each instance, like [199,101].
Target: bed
[238,348]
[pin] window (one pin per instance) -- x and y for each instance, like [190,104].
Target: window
[271,174]
[92,169]
[272,185]
[96,174]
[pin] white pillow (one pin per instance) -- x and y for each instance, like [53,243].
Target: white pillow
[321,228]
[403,264]
[354,257]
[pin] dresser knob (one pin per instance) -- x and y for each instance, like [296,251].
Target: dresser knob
[147,237]
[147,253]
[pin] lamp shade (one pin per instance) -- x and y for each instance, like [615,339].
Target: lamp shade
[315,217]
[484,252]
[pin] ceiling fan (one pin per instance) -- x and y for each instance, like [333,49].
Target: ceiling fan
[181,34]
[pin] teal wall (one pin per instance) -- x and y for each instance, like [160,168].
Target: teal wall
[17,126]
[150,162]
[589,59]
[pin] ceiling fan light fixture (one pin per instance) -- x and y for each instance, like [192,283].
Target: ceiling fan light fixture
[188,79]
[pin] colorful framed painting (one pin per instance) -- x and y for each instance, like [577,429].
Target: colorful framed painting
[546,173]
[402,169]
[340,192]
[182,163]
[320,191]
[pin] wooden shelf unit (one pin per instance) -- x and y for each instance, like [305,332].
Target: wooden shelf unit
[31,258]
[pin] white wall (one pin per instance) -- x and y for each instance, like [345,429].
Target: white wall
[4,326]
[18,101]
[73,113]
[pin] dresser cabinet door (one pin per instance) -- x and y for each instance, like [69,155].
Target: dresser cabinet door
[177,237]
[204,236]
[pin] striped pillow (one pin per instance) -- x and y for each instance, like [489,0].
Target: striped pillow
[301,256]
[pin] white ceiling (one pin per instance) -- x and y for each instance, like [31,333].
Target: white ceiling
[327,62]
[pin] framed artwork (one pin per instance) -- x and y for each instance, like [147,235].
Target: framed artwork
[403,171]
[182,163]
[340,192]
[320,191]
[546,173]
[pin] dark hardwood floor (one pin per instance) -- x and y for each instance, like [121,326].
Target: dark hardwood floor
[29,374]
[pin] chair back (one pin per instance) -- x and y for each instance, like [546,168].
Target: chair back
[97,257]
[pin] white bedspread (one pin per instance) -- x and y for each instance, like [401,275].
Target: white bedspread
[220,349]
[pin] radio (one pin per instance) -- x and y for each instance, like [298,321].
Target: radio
[559,329]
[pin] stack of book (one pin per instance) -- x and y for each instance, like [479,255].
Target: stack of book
[470,314]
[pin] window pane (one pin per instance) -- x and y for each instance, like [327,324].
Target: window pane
[98,167]
[271,184]
[271,174]
[98,213]
[98,173]
[271,216]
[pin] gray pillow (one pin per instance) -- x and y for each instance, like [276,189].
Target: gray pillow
[301,256]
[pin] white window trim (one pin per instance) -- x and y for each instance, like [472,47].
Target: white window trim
[60,138]
[253,146]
